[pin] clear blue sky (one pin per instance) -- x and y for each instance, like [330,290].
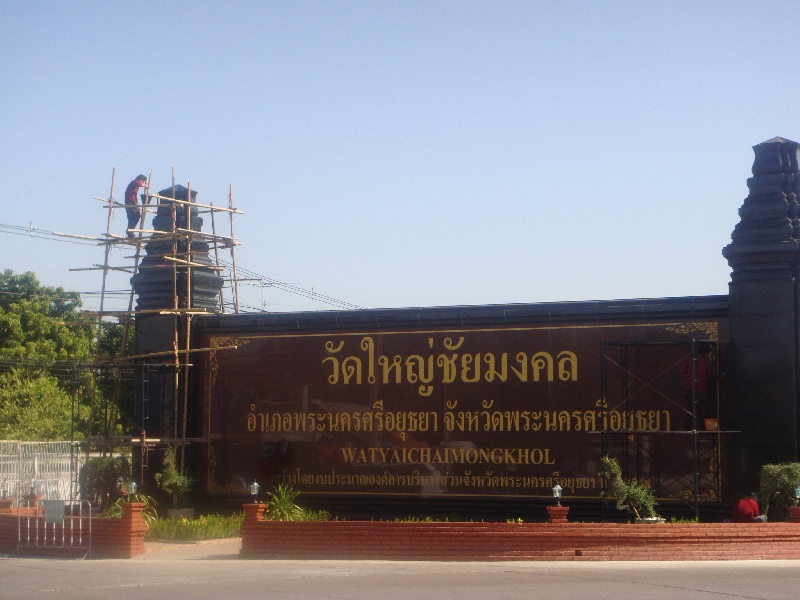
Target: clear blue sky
[404,153]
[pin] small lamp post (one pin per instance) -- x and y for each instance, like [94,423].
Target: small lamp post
[254,487]
[797,492]
[557,494]
[132,488]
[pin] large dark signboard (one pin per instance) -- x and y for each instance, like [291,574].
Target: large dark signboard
[462,412]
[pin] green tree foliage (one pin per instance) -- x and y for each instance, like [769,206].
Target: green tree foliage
[777,487]
[42,336]
[35,407]
[41,322]
[629,496]
[99,478]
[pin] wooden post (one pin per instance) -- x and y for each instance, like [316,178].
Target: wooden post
[103,291]
[216,257]
[188,317]
[233,253]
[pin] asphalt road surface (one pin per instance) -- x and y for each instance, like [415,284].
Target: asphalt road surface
[211,570]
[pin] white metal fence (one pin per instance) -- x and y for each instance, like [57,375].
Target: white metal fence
[51,468]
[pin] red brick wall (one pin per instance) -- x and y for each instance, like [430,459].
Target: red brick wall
[111,538]
[512,541]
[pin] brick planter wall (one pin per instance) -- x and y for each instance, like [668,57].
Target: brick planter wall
[512,541]
[111,538]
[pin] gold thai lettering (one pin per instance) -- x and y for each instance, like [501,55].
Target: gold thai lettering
[641,420]
[333,378]
[251,419]
[383,361]
[522,359]
[463,420]
[468,360]
[491,372]
[423,376]
[567,358]
[539,361]
[351,366]
[419,370]
[331,350]
[448,343]
[368,345]
[444,480]
[449,368]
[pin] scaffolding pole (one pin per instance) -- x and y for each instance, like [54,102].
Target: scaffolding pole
[180,258]
[233,254]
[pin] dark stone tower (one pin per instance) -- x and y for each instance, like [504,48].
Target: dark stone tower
[764,306]
[160,284]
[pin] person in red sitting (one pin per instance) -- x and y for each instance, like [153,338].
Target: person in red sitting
[746,511]
[132,203]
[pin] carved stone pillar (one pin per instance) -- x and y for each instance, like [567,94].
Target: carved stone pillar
[764,307]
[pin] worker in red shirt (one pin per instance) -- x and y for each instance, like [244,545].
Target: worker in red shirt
[131,202]
[703,373]
[746,511]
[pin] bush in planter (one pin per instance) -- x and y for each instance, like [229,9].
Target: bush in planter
[171,480]
[281,507]
[777,487]
[148,513]
[99,476]
[629,496]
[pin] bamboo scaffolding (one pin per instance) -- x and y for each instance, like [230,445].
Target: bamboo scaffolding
[170,201]
[162,236]
[235,286]
[216,260]
[103,292]
[126,328]
[175,301]
[188,318]
[130,269]
[154,255]
[164,353]
[76,236]
[192,264]
[146,311]
[181,258]
[102,268]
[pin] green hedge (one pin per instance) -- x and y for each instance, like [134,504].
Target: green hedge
[209,527]
[777,488]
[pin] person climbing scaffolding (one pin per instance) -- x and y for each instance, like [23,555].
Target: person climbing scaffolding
[131,202]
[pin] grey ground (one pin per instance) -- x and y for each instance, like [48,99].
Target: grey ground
[211,570]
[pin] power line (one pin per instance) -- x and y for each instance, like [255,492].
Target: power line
[43,234]
[295,289]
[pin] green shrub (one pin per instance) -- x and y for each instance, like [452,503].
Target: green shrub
[99,476]
[171,480]
[629,496]
[429,519]
[281,507]
[777,486]
[209,527]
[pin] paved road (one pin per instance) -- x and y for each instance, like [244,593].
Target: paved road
[211,571]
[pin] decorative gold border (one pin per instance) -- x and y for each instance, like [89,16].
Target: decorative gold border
[216,342]
[710,328]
